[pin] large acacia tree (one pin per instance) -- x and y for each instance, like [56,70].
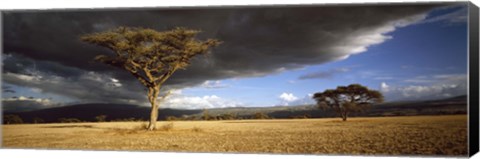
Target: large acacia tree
[149,55]
[346,99]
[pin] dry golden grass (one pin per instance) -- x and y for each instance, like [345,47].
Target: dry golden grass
[422,135]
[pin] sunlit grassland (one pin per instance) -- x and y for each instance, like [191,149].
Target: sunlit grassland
[416,135]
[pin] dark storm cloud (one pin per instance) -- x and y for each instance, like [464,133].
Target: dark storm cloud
[88,87]
[16,63]
[256,42]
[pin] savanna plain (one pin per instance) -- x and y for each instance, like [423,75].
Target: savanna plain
[409,135]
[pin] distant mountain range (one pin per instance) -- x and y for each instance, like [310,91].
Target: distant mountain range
[88,112]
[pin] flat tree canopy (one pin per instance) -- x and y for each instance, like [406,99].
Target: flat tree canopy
[149,55]
[346,99]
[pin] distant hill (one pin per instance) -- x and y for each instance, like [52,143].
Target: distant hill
[455,105]
[88,112]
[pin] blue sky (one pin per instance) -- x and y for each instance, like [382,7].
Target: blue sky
[415,56]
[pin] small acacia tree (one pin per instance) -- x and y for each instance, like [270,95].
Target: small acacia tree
[260,115]
[150,56]
[346,99]
[101,118]
[12,119]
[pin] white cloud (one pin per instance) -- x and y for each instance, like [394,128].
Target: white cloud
[384,87]
[23,98]
[176,92]
[364,38]
[23,103]
[114,80]
[288,97]
[24,77]
[42,101]
[213,84]
[178,100]
[114,83]
[439,86]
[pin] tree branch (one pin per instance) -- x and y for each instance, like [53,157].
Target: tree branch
[165,76]
[142,79]
[165,96]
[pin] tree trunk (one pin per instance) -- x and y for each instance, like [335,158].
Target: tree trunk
[152,97]
[344,116]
